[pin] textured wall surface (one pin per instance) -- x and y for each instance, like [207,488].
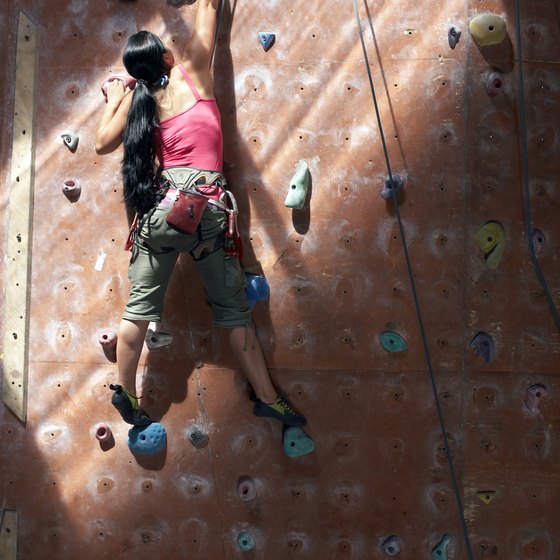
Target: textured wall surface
[338,279]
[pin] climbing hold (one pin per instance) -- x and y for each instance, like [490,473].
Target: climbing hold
[453,36]
[483,343]
[296,442]
[439,552]
[298,187]
[149,439]
[488,29]
[391,546]
[539,242]
[103,432]
[246,489]
[394,186]
[71,140]
[71,190]
[534,395]
[491,238]
[245,541]
[267,40]
[108,341]
[392,342]
[486,495]
[158,339]
[256,288]
[128,81]
[197,437]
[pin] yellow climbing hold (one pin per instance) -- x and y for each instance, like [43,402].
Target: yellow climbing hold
[491,238]
[488,29]
[486,496]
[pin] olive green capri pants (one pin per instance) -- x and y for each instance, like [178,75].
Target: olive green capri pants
[154,256]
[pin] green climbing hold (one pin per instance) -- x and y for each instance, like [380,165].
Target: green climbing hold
[491,238]
[299,187]
[488,29]
[439,552]
[392,342]
[296,442]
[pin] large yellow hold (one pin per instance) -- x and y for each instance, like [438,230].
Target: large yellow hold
[488,29]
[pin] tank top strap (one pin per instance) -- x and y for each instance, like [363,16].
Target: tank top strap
[189,81]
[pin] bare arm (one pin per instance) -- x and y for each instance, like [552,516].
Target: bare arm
[108,136]
[199,50]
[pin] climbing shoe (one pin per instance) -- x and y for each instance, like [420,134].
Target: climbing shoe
[127,405]
[281,409]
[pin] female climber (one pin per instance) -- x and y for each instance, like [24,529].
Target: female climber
[170,128]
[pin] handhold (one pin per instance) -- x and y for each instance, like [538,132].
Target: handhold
[491,238]
[198,437]
[128,81]
[256,288]
[392,342]
[296,442]
[483,343]
[534,395]
[488,29]
[246,489]
[145,440]
[71,190]
[539,242]
[391,546]
[453,36]
[299,187]
[245,541]
[71,140]
[439,552]
[108,341]
[394,186]
[103,432]
[494,84]
[158,339]
[267,40]
[486,495]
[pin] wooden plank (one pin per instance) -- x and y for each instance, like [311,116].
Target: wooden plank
[8,535]
[18,265]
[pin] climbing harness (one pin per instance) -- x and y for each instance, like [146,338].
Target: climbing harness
[394,193]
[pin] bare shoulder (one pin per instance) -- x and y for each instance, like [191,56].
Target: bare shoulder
[201,78]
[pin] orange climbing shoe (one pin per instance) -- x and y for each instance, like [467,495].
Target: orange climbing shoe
[128,408]
[281,409]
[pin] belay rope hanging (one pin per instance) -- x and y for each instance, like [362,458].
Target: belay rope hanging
[394,194]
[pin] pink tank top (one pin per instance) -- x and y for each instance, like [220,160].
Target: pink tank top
[192,138]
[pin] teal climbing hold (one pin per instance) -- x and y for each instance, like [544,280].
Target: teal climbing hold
[246,541]
[267,40]
[296,442]
[145,440]
[440,550]
[299,187]
[392,342]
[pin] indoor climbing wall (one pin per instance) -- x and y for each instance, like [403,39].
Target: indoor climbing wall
[411,312]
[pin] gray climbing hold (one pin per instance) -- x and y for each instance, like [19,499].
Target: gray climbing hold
[72,190]
[296,442]
[393,184]
[267,40]
[391,546]
[440,550]
[483,344]
[246,541]
[198,437]
[533,398]
[246,489]
[158,339]
[146,440]
[299,187]
[453,36]
[494,84]
[71,140]
[539,242]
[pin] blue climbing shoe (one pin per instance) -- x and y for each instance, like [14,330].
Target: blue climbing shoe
[128,408]
[280,409]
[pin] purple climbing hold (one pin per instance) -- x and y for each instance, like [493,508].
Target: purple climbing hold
[494,84]
[539,242]
[483,344]
[533,398]
[391,546]
[246,489]
[72,190]
[393,184]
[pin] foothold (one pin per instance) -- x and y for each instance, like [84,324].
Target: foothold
[299,187]
[108,341]
[128,81]
[71,190]
[491,238]
[453,36]
[488,29]
[439,552]
[483,343]
[71,140]
[539,242]
[198,437]
[256,288]
[158,339]
[391,546]
[146,440]
[246,489]
[267,40]
[533,398]
[392,342]
[296,442]
[245,541]
[394,186]
[494,84]
[486,495]
[103,432]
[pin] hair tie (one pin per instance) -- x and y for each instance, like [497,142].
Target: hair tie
[143,82]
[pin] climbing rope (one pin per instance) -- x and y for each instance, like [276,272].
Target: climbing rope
[218,28]
[525,160]
[415,295]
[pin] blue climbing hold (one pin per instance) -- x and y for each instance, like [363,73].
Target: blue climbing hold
[267,40]
[391,546]
[439,552]
[256,288]
[246,541]
[393,342]
[483,344]
[296,442]
[145,440]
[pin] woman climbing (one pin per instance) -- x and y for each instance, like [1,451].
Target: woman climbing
[170,128]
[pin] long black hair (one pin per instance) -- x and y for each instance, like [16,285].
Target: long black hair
[143,60]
